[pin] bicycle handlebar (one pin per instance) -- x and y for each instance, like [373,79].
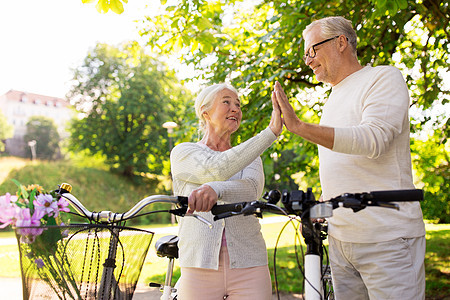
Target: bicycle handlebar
[303,203]
[359,201]
[109,217]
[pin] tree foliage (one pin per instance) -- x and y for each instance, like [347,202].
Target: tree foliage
[431,160]
[252,44]
[124,96]
[103,6]
[43,130]
[6,131]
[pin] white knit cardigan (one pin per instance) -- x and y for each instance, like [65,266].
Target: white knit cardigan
[236,175]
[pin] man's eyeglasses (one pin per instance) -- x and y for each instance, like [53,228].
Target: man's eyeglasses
[311,53]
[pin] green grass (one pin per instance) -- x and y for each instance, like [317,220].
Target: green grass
[437,261]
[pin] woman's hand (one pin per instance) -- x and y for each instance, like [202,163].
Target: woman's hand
[201,199]
[276,122]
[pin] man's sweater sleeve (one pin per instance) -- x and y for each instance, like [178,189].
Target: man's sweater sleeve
[383,117]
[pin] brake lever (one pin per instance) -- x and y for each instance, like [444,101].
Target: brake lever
[182,213]
[201,219]
[387,205]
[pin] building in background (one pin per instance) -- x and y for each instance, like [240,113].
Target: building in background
[19,106]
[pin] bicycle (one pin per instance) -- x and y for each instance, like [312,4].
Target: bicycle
[106,266]
[317,280]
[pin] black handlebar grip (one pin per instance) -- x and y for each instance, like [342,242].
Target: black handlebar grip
[397,195]
[224,208]
[183,200]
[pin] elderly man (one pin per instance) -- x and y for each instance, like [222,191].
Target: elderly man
[363,140]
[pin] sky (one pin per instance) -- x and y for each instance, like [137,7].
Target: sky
[42,40]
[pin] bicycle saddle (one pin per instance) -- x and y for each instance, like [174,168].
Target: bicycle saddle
[167,246]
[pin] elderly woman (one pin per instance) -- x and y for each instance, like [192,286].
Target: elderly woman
[230,260]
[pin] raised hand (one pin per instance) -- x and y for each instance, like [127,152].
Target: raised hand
[291,121]
[321,135]
[276,122]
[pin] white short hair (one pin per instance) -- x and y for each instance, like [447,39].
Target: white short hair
[333,26]
[205,100]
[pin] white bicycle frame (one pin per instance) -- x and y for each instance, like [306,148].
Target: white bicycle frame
[313,275]
[314,289]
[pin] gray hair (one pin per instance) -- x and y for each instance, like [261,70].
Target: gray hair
[333,26]
[205,100]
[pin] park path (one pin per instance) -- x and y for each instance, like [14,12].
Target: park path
[11,289]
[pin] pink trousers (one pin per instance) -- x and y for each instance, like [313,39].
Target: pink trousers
[225,283]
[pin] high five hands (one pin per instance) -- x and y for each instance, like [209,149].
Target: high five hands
[315,133]
[290,119]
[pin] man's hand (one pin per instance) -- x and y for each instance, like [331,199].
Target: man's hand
[201,199]
[315,133]
[291,121]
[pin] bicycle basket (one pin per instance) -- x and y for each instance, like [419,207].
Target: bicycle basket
[81,261]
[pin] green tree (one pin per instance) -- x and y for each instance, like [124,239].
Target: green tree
[43,130]
[431,159]
[6,131]
[124,96]
[253,45]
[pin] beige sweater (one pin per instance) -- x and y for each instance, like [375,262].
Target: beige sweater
[371,152]
[236,175]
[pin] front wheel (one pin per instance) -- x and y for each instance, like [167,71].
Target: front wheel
[327,283]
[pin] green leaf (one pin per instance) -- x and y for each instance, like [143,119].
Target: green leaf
[102,6]
[22,191]
[382,3]
[391,7]
[403,4]
[116,6]
[19,185]
[207,48]
[31,198]
[203,23]
[186,39]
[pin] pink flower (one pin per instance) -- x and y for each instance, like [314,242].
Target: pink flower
[24,219]
[63,205]
[45,203]
[7,210]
